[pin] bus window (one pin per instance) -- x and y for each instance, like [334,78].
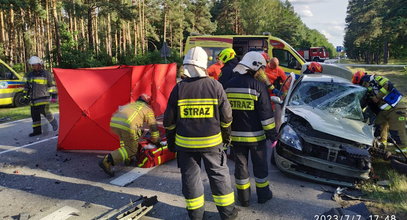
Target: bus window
[286,59]
[212,52]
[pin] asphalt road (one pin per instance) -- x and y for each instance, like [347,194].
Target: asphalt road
[39,182]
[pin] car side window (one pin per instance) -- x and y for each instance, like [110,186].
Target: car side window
[6,74]
[286,59]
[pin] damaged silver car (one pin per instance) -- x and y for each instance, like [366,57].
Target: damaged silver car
[322,135]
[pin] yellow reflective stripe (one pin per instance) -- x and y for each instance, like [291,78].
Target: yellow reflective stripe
[155,134]
[262,185]
[139,106]
[224,200]
[144,162]
[159,149]
[241,95]
[197,102]
[242,186]
[225,125]
[119,119]
[384,91]
[171,127]
[123,153]
[198,142]
[159,160]
[36,125]
[40,103]
[269,126]
[402,118]
[196,203]
[382,81]
[112,124]
[40,81]
[249,139]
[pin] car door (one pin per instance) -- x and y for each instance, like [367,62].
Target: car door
[282,100]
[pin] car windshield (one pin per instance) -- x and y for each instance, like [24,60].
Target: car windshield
[340,99]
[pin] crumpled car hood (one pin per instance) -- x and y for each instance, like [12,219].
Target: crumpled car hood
[337,126]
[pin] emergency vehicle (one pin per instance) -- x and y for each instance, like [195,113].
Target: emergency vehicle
[290,60]
[11,86]
[318,54]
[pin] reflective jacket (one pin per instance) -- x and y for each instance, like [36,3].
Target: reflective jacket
[227,71]
[198,115]
[382,91]
[133,116]
[38,86]
[253,117]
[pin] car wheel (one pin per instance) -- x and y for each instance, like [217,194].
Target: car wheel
[316,59]
[19,100]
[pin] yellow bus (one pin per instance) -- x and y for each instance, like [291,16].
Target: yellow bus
[11,86]
[289,58]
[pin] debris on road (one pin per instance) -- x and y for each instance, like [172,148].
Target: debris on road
[133,210]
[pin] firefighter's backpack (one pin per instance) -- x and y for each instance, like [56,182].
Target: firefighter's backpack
[149,156]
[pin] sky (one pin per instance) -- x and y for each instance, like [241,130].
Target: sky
[326,16]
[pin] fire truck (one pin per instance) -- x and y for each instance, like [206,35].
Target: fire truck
[318,54]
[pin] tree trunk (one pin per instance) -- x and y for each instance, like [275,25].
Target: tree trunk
[135,37]
[11,36]
[2,28]
[109,36]
[90,29]
[57,37]
[49,37]
[385,51]
[165,22]
[96,34]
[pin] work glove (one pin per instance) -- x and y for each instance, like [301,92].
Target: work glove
[262,77]
[170,134]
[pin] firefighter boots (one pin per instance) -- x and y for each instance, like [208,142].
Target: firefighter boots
[36,131]
[107,165]
[264,198]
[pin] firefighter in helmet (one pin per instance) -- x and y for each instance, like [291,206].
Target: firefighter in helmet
[228,58]
[197,121]
[127,123]
[37,89]
[253,124]
[313,67]
[392,113]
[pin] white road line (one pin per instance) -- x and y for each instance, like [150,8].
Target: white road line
[62,213]
[13,122]
[130,176]
[27,145]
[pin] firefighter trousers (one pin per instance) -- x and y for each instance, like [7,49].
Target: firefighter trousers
[258,154]
[36,111]
[128,145]
[219,179]
[394,121]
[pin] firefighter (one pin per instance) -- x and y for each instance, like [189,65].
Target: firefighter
[37,90]
[127,123]
[197,121]
[253,124]
[313,67]
[393,113]
[228,57]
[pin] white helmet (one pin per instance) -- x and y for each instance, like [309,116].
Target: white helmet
[253,60]
[35,60]
[196,56]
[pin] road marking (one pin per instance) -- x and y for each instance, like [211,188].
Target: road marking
[12,122]
[27,145]
[62,213]
[130,176]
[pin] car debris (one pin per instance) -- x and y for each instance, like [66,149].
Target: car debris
[134,210]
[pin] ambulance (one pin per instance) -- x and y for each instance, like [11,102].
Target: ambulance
[290,60]
[11,86]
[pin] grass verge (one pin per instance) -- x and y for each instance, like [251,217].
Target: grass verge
[8,113]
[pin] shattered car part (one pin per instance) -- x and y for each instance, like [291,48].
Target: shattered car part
[133,210]
[322,135]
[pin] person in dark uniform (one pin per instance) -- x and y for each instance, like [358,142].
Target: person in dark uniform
[197,122]
[253,124]
[37,89]
[228,57]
